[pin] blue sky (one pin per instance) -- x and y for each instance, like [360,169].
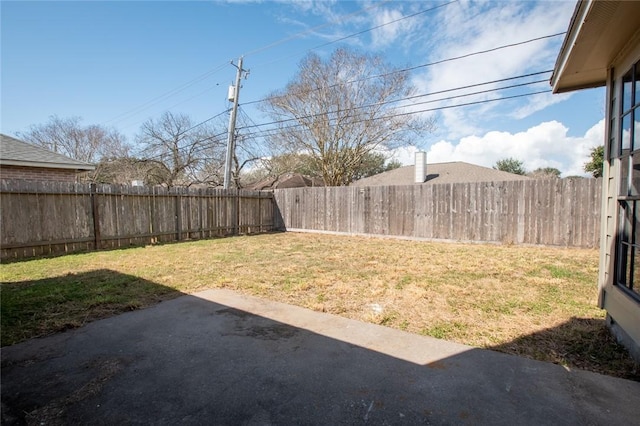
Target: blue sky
[121,63]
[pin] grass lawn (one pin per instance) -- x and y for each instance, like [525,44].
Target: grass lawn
[531,301]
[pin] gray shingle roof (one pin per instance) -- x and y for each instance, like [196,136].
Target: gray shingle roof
[453,172]
[14,152]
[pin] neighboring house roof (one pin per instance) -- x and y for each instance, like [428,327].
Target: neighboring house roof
[290,180]
[453,172]
[14,152]
[598,30]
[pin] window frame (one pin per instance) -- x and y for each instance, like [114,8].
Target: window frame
[627,151]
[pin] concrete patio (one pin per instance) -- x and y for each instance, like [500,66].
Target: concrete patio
[217,357]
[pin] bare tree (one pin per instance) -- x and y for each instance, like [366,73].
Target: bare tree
[279,165]
[183,151]
[92,144]
[371,164]
[211,169]
[249,152]
[69,137]
[340,109]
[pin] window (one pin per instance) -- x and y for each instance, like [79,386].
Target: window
[628,246]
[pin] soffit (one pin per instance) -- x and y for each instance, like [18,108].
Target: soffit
[598,31]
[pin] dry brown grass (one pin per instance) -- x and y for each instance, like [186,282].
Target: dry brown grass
[533,301]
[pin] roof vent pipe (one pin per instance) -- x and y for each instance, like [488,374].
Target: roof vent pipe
[421,167]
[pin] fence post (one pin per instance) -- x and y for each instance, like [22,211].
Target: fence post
[178,216]
[237,215]
[260,212]
[96,217]
[201,198]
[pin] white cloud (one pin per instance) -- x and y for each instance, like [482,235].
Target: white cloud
[470,133]
[544,145]
[394,28]
[317,7]
[538,103]
[387,34]
[478,26]
[405,155]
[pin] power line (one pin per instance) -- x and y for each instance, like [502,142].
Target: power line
[513,86]
[418,96]
[168,94]
[383,25]
[198,149]
[172,92]
[480,52]
[311,30]
[472,103]
[275,130]
[182,134]
[206,121]
[202,148]
[415,67]
[270,131]
[360,32]
[469,86]
[194,96]
[127,126]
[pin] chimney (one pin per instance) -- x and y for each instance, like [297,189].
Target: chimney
[421,167]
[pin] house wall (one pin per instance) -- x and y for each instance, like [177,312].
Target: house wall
[38,173]
[623,310]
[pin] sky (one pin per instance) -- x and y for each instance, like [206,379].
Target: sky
[120,63]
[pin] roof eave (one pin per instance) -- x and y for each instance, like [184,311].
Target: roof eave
[590,85]
[44,165]
[599,32]
[576,23]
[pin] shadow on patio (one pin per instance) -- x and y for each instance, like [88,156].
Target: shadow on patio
[219,357]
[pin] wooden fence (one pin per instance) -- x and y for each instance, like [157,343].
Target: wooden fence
[562,212]
[41,218]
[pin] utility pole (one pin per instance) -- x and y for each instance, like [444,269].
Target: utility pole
[235,92]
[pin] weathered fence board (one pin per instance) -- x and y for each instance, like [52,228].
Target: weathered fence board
[41,218]
[561,212]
